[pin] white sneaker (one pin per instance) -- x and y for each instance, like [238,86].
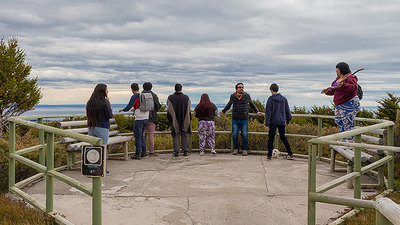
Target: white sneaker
[201,153]
[213,151]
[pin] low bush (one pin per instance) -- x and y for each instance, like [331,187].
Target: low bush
[15,212]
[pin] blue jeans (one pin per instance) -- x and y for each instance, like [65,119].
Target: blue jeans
[100,132]
[140,142]
[243,125]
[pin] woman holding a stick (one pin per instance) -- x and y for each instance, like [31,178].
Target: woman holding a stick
[344,91]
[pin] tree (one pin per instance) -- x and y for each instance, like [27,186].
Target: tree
[18,92]
[388,107]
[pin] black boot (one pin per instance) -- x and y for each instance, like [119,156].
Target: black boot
[137,157]
[175,154]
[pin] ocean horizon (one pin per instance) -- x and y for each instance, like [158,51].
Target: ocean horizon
[65,109]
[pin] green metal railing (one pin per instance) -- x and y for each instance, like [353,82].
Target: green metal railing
[46,165]
[387,212]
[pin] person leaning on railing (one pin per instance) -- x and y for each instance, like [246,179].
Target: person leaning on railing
[344,91]
[240,116]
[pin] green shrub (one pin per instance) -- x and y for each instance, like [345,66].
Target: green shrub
[14,212]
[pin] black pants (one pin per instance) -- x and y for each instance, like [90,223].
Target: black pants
[271,138]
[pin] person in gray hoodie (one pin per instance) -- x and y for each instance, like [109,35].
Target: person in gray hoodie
[277,115]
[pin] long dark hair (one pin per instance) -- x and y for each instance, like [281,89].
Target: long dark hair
[94,107]
[205,105]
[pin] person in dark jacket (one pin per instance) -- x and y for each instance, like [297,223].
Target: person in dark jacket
[179,117]
[240,116]
[99,113]
[206,111]
[347,103]
[277,115]
[152,123]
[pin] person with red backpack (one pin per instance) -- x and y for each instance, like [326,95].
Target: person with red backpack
[141,118]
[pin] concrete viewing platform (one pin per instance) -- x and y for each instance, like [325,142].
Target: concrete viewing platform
[222,189]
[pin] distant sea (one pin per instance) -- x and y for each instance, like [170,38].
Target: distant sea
[81,109]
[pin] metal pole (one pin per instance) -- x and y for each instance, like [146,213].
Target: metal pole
[96,201]
[50,166]
[42,157]
[319,135]
[390,142]
[276,141]
[11,146]
[349,170]
[357,167]
[312,183]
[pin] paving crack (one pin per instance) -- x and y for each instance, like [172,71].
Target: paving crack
[187,210]
[265,173]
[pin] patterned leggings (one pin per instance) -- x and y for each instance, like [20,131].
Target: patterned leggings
[206,132]
[345,113]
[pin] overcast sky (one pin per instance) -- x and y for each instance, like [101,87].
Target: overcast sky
[207,46]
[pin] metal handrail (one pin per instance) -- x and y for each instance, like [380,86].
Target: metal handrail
[315,194]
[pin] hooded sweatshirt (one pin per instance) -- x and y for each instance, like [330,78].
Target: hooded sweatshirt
[277,110]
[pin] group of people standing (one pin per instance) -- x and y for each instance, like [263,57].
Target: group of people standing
[277,115]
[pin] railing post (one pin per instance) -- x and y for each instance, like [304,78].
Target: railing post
[49,167]
[381,169]
[350,170]
[312,183]
[190,142]
[319,135]
[231,140]
[11,162]
[71,154]
[42,157]
[357,167]
[96,201]
[390,142]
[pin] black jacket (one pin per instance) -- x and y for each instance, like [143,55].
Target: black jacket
[179,113]
[240,107]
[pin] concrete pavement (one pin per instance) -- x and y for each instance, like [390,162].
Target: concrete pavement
[224,189]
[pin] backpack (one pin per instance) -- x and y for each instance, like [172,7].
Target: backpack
[360,92]
[146,102]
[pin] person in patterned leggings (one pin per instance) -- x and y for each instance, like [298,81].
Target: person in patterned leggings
[206,111]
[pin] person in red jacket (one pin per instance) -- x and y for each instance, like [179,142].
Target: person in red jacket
[347,103]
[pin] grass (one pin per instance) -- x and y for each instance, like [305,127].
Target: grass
[16,212]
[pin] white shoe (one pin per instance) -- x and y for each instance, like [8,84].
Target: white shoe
[201,153]
[213,151]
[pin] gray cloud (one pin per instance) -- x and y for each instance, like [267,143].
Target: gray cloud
[207,46]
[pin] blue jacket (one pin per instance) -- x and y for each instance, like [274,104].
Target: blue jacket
[277,110]
[131,101]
